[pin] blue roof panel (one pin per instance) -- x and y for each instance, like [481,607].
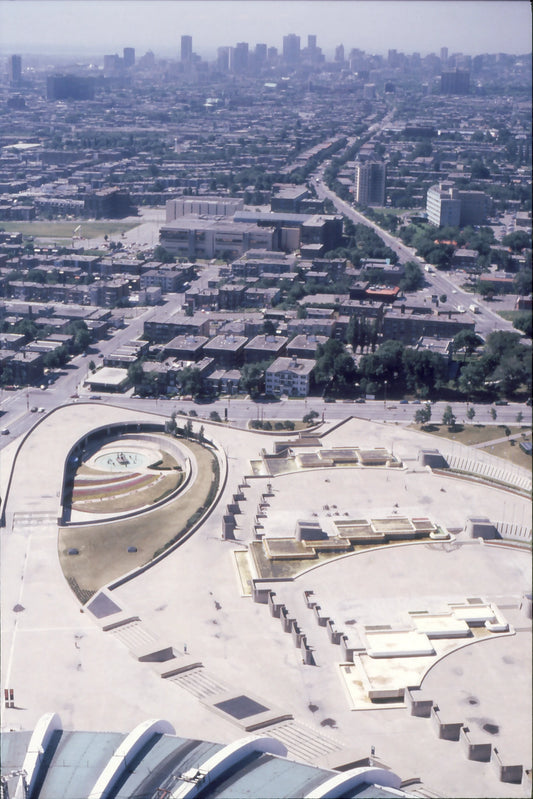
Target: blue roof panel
[13,750]
[160,763]
[270,778]
[77,762]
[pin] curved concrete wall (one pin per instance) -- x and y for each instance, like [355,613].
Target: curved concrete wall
[173,448]
[223,468]
[125,752]
[226,759]
[338,785]
[44,729]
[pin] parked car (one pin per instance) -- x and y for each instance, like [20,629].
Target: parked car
[4,431]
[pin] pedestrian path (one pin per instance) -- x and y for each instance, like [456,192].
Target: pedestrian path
[515,437]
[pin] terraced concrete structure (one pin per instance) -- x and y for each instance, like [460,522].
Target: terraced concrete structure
[297,653]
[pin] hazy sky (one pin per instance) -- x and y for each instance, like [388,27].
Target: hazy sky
[106,26]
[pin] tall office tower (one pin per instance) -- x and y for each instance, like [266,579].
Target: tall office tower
[339,53]
[129,56]
[272,55]
[444,55]
[311,42]
[15,69]
[239,57]
[392,58]
[260,54]
[370,179]
[291,49]
[111,62]
[455,81]
[223,54]
[186,49]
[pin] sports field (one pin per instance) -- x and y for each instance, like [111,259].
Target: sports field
[66,230]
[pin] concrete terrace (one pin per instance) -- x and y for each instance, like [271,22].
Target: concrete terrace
[192,600]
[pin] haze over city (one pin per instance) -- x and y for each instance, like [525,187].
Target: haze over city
[92,27]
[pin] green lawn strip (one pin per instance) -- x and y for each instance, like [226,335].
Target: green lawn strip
[510,316]
[103,554]
[472,434]
[89,230]
[511,452]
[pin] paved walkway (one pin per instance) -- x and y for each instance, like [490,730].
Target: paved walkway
[502,440]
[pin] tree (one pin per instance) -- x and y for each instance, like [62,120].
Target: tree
[136,374]
[423,370]
[163,255]
[170,424]
[413,278]
[466,340]
[423,414]
[215,416]
[253,378]
[517,241]
[269,328]
[523,283]
[190,381]
[187,430]
[448,417]
[493,414]
[470,413]
[443,297]
[310,417]
[92,366]
[519,417]
[473,376]
[524,322]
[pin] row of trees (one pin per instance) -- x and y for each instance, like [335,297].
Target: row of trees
[437,245]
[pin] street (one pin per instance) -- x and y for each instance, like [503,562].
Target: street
[487,320]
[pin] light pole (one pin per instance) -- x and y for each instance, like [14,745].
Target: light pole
[385,400]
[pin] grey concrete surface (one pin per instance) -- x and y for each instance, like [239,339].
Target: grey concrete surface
[59,659]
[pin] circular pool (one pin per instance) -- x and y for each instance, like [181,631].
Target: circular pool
[122,461]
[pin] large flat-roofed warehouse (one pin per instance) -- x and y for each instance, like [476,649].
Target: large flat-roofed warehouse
[192,237]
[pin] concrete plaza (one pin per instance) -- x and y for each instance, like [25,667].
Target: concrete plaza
[59,659]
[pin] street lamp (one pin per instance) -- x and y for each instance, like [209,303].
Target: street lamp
[385,400]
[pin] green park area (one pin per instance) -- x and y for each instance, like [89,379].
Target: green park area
[102,547]
[67,230]
[475,434]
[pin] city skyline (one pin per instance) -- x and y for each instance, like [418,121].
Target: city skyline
[375,26]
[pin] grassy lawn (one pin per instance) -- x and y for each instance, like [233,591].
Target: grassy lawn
[511,452]
[478,434]
[103,548]
[510,315]
[65,230]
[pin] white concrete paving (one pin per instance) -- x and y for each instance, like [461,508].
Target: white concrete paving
[59,659]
